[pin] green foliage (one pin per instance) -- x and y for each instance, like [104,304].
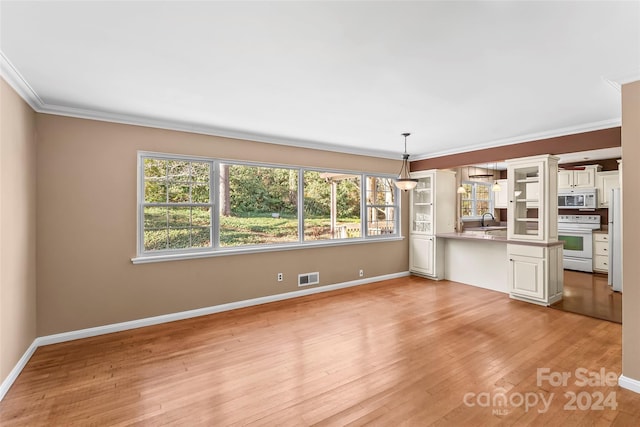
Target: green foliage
[262,190]
[176,181]
[255,193]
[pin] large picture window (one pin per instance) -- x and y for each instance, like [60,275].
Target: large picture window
[206,205]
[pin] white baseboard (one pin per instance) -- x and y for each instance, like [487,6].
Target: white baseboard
[629,383]
[165,318]
[8,382]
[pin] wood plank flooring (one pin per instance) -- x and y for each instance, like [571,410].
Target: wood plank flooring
[401,352]
[590,295]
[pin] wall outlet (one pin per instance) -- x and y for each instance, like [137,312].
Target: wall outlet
[361,273]
[280,277]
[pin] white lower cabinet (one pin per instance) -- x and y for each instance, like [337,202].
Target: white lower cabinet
[535,273]
[601,252]
[423,259]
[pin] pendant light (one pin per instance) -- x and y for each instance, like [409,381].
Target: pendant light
[461,189]
[404,180]
[496,187]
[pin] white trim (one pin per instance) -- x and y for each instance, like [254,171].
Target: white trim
[586,127]
[13,375]
[144,259]
[629,383]
[22,87]
[13,77]
[165,318]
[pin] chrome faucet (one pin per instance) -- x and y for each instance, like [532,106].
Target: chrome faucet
[482,220]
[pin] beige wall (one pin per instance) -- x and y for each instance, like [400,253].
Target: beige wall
[87,229]
[630,209]
[17,228]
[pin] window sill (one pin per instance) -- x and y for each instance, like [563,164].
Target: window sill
[256,249]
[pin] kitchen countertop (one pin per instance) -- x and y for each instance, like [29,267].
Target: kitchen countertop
[497,239]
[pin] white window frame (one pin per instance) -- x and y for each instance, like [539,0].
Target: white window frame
[216,250]
[473,199]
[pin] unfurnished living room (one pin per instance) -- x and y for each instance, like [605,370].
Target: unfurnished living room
[319,213]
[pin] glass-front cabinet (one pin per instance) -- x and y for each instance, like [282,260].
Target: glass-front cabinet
[422,206]
[533,203]
[432,211]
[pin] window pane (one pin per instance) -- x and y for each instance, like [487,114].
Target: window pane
[155,240]
[155,192]
[482,206]
[200,172]
[200,237]
[179,194]
[155,217]
[482,192]
[201,216]
[175,183]
[381,221]
[178,170]
[179,238]
[200,193]
[262,205]
[467,206]
[331,206]
[381,206]
[155,169]
[179,217]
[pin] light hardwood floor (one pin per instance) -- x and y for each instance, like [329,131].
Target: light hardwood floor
[589,294]
[400,352]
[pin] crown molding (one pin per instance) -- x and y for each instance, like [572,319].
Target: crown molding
[587,127]
[13,77]
[135,120]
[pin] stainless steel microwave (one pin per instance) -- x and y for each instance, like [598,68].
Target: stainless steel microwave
[577,198]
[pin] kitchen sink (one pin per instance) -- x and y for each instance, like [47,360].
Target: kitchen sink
[494,230]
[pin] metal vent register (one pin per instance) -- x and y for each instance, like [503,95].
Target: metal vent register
[307,279]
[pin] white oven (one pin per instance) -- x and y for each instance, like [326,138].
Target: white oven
[576,231]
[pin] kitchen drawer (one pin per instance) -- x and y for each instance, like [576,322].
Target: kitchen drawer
[600,237]
[601,248]
[601,263]
[525,250]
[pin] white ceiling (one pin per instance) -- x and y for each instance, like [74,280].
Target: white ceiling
[348,76]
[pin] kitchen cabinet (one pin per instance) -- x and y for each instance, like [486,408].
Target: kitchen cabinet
[605,182]
[533,199]
[501,197]
[578,178]
[535,273]
[432,210]
[535,265]
[601,252]
[422,254]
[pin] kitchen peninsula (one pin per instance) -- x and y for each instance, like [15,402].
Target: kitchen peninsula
[483,260]
[527,262]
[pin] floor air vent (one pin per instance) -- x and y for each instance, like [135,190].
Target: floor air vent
[308,279]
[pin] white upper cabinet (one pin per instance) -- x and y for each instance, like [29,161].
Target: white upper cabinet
[579,178]
[605,182]
[501,200]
